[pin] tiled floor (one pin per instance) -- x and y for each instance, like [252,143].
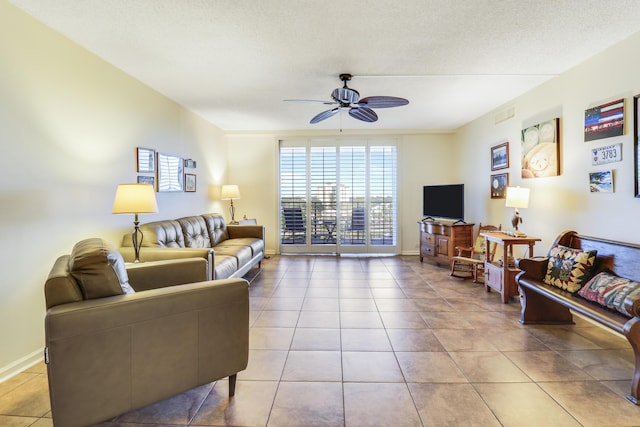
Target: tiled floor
[341,341]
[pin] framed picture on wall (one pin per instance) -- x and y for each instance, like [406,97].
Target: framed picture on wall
[601,182]
[170,173]
[499,184]
[189,183]
[636,143]
[144,179]
[145,160]
[500,156]
[604,121]
[541,149]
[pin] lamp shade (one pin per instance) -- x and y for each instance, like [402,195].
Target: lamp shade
[134,198]
[230,192]
[517,197]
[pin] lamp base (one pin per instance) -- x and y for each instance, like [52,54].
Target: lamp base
[516,220]
[134,238]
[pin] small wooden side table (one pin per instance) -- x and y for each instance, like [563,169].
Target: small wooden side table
[500,275]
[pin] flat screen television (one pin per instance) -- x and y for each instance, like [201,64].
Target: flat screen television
[443,201]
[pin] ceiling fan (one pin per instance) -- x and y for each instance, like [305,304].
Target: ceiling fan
[347,98]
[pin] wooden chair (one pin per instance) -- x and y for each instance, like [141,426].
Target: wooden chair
[469,261]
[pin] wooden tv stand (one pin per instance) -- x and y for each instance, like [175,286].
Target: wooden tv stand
[439,238]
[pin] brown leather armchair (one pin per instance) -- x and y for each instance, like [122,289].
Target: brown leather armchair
[109,352]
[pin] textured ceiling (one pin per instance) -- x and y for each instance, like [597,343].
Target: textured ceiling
[234,61]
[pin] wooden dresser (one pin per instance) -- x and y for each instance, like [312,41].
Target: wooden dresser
[438,239]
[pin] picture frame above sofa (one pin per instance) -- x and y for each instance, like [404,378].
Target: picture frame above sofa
[170,173]
[145,160]
[189,183]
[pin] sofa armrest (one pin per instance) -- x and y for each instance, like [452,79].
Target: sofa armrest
[239,231]
[159,274]
[632,305]
[534,268]
[160,254]
[111,355]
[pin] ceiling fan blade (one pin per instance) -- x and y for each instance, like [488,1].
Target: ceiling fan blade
[345,95]
[363,113]
[382,102]
[315,101]
[324,115]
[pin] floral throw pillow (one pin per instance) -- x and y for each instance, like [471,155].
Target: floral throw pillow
[610,290]
[569,268]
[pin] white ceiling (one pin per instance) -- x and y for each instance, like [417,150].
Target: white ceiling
[234,61]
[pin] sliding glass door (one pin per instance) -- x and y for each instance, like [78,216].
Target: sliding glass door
[338,196]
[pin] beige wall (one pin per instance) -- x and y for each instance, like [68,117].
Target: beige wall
[563,202]
[69,125]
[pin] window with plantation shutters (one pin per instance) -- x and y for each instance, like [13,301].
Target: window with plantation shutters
[338,196]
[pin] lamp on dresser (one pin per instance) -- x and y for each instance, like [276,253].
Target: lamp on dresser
[517,197]
[135,199]
[231,193]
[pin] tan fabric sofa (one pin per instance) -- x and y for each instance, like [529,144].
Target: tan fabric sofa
[108,353]
[230,250]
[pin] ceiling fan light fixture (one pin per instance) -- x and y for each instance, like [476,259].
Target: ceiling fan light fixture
[345,95]
[349,99]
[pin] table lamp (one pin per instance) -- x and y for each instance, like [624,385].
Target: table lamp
[135,199]
[517,197]
[231,192]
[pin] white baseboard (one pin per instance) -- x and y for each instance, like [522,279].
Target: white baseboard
[411,252]
[21,364]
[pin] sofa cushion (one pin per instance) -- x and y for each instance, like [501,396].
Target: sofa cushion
[256,245]
[224,266]
[569,268]
[163,234]
[217,228]
[242,253]
[195,233]
[610,290]
[98,269]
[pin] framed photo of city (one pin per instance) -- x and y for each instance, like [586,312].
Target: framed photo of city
[541,149]
[604,121]
[144,179]
[500,156]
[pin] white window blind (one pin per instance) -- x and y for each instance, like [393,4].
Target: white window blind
[341,193]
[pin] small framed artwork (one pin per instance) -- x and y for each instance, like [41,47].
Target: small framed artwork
[541,149]
[601,182]
[170,172]
[604,121]
[189,183]
[636,145]
[145,160]
[500,156]
[499,184]
[143,179]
